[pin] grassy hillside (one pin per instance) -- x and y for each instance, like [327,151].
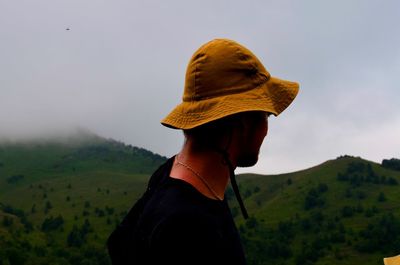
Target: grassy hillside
[60,200]
[51,191]
[344,211]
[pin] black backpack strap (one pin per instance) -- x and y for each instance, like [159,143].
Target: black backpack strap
[121,243]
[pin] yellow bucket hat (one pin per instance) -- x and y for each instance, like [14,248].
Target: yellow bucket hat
[225,78]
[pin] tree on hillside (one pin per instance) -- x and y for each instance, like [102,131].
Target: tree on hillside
[86,227]
[51,223]
[361,195]
[359,208]
[392,181]
[347,211]
[99,212]
[322,187]
[75,237]
[381,234]
[7,221]
[381,197]
[251,222]
[85,213]
[14,256]
[47,207]
[369,212]
[33,209]
[314,199]
[14,179]
[392,163]
[109,210]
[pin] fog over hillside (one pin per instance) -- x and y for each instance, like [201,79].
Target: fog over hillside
[118,67]
[70,135]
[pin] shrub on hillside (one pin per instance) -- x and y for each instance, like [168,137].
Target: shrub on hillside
[358,173]
[347,211]
[392,163]
[77,236]
[50,223]
[20,214]
[14,179]
[381,234]
[314,199]
[392,181]
[381,197]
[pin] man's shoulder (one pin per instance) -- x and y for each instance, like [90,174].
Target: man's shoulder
[176,197]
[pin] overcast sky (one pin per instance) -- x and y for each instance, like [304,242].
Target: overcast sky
[120,68]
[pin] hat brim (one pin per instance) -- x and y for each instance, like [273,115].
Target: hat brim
[273,96]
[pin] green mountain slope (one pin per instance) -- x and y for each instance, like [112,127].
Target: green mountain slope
[59,200]
[57,194]
[344,211]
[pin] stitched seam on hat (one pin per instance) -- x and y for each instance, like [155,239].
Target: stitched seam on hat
[229,93]
[194,81]
[195,119]
[259,81]
[243,57]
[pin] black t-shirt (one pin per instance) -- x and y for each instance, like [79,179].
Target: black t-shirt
[179,225]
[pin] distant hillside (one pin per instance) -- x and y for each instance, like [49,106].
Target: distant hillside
[59,200]
[65,156]
[344,211]
[67,192]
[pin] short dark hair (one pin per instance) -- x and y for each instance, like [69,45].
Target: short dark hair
[210,134]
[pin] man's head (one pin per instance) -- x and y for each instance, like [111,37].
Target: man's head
[227,87]
[241,134]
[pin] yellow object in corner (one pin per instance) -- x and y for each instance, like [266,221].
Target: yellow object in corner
[392,260]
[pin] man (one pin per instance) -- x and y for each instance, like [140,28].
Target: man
[184,217]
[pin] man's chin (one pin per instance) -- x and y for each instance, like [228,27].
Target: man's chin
[247,161]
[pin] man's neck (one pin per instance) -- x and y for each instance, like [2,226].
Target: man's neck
[205,170]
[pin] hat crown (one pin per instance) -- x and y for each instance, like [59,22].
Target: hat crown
[224,78]
[222,67]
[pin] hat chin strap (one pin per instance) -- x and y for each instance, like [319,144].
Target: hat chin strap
[234,185]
